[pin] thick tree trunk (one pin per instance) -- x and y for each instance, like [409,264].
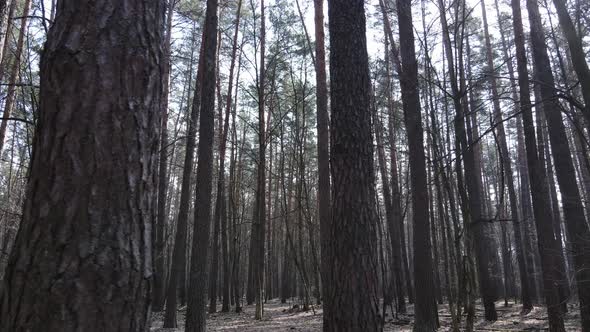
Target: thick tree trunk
[92,176]
[195,316]
[426,318]
[351,303]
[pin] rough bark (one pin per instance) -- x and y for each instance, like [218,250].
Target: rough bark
[351,303]
[93,175]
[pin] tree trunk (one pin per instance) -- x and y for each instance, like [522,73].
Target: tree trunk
[323,137]
[220,203]
[162,220]
[92,176]
[176,281]
[5,17]
[538,183]
[351,303]
[468,148]
[395,190]
[580,64]
[14,74]
[392,223]
[545,160]
[195,316]
[4,38]
[257,243]
[425,310]
[508,174]
[564,167]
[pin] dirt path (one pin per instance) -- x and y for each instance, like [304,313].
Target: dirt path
[282,317]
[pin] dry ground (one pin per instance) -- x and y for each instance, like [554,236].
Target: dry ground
[282,317]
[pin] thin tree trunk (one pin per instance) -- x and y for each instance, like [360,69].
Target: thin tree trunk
[14,74]
[162,220]
[5,39]
[564,167]
[218,210]
[5,23]
[257,244]
[538,183]
[579,62]
[389,211]
[323,145]
[425,309]
[507,166]
[177,281]
[195,316]
[220,203]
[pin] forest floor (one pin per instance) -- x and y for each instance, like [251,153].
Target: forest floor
[286,317]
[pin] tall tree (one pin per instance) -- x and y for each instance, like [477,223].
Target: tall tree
[562,160]
[579,62]
[162,219]
[195,316]
[392,216]
[221,178]
[14,73]
[468,148]
[92,176]
[507,167]
[5,30]
[425,311]
[538,182]
[177,279]
[257,242]
[351,303]
[4,18]
[323,136]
